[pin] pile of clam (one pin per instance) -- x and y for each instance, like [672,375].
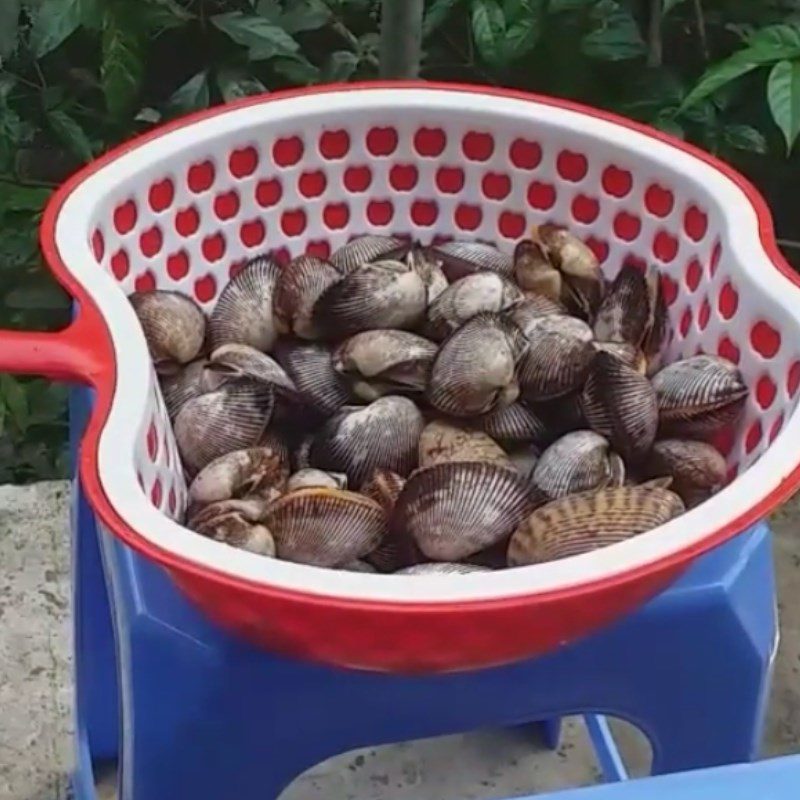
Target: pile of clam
[441,409]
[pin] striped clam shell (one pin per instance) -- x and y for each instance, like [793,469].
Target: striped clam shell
[429,268]
[699,396]
[325,527]
[463,258]
[558,359]
[309,477]
[365,249]
[236,523]
[182,386]
[625,315]
[359,440]
[444,442]
[466,297]
[532,305]
[256,471]
[534,273]
[300,284]
[384,294]
[474,371]
[580,523]
[626,353]
[243,313]
[441,568]
[561,415]
[232,361]
[656,337]
[174,326]
[233,417]
[310,368]
[455,510]
[697,469]
[620,404]
[380,362]
[514,424]
[577,462]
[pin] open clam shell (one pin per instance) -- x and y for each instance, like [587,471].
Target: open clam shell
[384,294]
[620,404]
[234,417]
[366,249]
[466,297]
[325,527]
[300,284]
[441,568]
[243,313]
[577,462]
[443,442]
[697,469]
[514,424]
[558,358]
[625,315]
[174,326]
[580,523]
[699,396]
[380,362]
[310,368]
[184,384]
[474,371]
[233,361]
[357,441]
[463,258]
[455,510]
[256,471]
[534,272]
[236,523]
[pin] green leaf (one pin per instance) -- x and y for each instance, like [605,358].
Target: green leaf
[15,197]
[670,126]
[264,39]
[617,38]
[122,68]
[12,394]
[559,6]
[744,137]
[780,38]
[488,28]
[669,5]
[71,134]
[191,96]
[436,14]
[166,14]
[339,66]
[53,22]
[298,69]
[269,9]
[524,32]
[235,82]
[783,94]
[305,15]
[9,25]
[39,295]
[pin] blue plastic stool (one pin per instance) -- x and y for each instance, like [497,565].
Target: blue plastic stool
[192,712]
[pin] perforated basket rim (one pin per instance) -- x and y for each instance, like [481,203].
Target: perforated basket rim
[111,481]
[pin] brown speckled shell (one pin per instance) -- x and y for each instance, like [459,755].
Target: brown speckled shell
[243,313]
[697,469]
[300,284]
[584,522]
[444,442]
[325,527]
[455,510]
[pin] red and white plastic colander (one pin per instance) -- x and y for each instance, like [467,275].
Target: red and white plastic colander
[184,206]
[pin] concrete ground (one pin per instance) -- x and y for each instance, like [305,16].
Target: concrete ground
[35,692]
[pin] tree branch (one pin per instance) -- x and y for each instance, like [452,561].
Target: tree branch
[701,28]
[401,38]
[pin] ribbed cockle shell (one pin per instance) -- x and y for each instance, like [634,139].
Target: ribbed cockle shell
[366,249]
[233,361]
[463,258]
[514,424]
[309,478]
[237,523]
[300,284]
[310,368]
[697,469]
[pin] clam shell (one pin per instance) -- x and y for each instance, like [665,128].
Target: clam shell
[384,294]
[577,462]
[301,458]
[536,305]
[233,417]
[310,477]
[300,284]
[443,442]
[310,368]
[558,359]
[463,258]
[441,568]
[584,522]
[384,487]
[325,527]
[626,353]
[430,270]
[380,362]
[656,337]
[357,441]
[699,396]
[562,415]
[466,297]
[182,386]
[455,510]
[514,424]
[236,523]
[174,326]
[534,272]
[259,471]
[474,371]
[524,460]
[620,404]
[232,361]
[366,249]
[396,549]
[625,315]
[358,566]
[243,313]
[697,469]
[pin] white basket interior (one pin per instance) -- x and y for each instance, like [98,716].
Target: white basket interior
[306,173]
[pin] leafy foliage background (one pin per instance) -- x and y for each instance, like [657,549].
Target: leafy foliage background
[78,76]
